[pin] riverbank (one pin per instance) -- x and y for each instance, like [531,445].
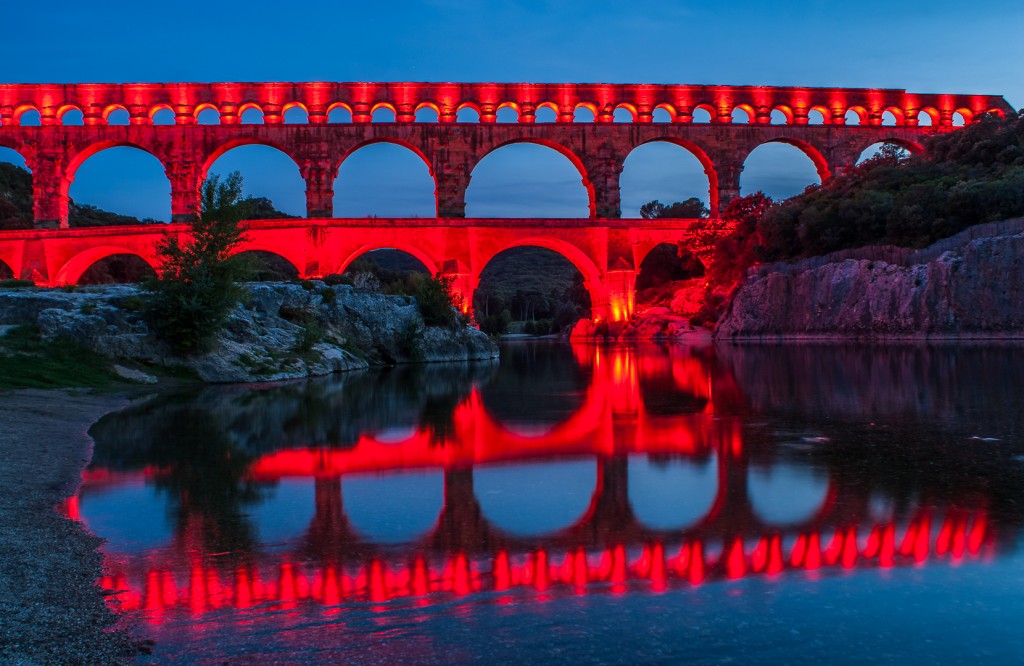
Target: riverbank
[51,609]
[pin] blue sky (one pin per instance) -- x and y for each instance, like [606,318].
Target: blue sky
[937,46]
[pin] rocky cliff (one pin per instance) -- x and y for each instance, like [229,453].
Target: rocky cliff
[968,286]
[282,331]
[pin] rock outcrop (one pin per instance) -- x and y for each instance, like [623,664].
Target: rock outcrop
[282,331]
[968,286]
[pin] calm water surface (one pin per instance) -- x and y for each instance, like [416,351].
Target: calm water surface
[580,504]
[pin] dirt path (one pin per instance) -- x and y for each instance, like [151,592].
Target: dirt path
[51,610]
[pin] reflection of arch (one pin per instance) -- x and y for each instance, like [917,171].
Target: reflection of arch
[772,491]
[686,488]
[397,507]
[558,496]
[72,270]
[559,148]
[419,254]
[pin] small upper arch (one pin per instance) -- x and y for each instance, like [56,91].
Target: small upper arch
[116,114]
[69,114]
[782,115]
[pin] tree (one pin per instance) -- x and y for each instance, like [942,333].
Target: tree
[692,207]
[198,284]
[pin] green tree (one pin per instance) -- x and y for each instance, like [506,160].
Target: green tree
[199,282]
[692,207]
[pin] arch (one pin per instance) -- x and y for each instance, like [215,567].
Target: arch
[260,248]
[270,266]
[295,113]
[672,494]
[546,112]
[663,113]
[357,185]
[999,113]
[116,269]
[786,493]
[142,185]
[780,183]
[397,507]
[703,114]
[70,116]
[544,143]
[927,117]
[6,272]
[507,113]
[383,112]
[27,115]
[818,115]
[427,112]
[890,119]
[531,499]
[468,112]
[781,115]
[339,112]
[663,177]
[406,247]
[962,117]
[73,268]
[743,114]
[115,114]
[662,264]
[285,514]
[584,113]
[624,113]
[207,114]
[161,114]
[583,263]
[872,150]
[281,183]
[13,156]
[855,115]
[250,114]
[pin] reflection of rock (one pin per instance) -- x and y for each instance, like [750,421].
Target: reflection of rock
[331,412]
[284,331]
[969,285]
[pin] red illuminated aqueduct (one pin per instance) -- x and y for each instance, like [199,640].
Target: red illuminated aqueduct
[606,249]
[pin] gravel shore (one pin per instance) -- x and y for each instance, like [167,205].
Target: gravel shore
[51,610]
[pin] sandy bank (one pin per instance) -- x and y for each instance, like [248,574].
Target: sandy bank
[51,610]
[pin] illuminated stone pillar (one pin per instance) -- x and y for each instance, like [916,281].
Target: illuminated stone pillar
[621,283]
[49,190]
[602,178]
[463,284]
[728,171]
[452,182]
[186,203]
[319,176]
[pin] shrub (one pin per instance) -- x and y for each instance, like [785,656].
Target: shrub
[437,303]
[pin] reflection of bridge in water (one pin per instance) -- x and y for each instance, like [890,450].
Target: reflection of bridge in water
[467,550]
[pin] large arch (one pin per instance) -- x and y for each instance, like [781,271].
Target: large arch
[6,272]
[141,174]
[366,181]
[638,184]
[521,160]
[408,248]
[268,171]
[73,268]
[785,181]
[16,211]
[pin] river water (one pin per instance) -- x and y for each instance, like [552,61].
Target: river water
[579,504]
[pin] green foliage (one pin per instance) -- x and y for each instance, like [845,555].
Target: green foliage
[192,298]
[692,207]
[531,283]
[437,303]
[28,362]
[13,283]
[496,324]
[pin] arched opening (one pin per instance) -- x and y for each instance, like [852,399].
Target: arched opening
[296,115]
[162,115]
[786,493]
[269,176]
[624,114]
[527,180]
[780,170]
[427,114]
[72,271]
[119,185]
[855,116]
[118,115]
[397,507]
[889,119]
[927,118]
[387,270]
[890,152]
[661,171]
[6,272]
[207,115]
[671,276]
[546,113]
[531,499]
[29,117]
[251,115]
[266,266]
[583,114]
[662,115]
[16,182]
[781,116]
[507,114]
[384,180]
[467,114]
[117,269]
[961,117]
[817,116]
[383,114]
[339,113]
[703,114]
[71,117]
[671,493]
[530,289]
[742,115]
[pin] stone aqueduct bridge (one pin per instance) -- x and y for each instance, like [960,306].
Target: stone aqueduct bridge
[607,250]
